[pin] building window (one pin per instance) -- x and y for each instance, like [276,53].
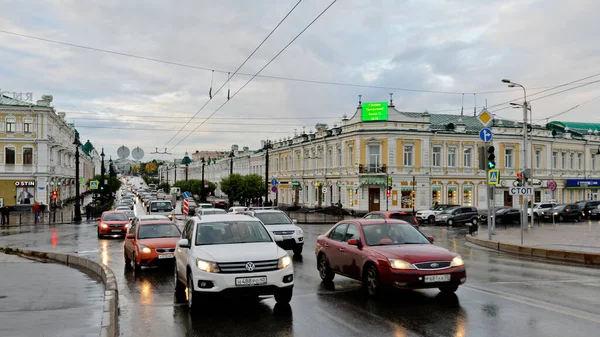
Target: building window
[538,159]
[350,156]
[452,157]
[9,155]
[452,195]
[339,157]
[579,161]
[28,124]
[408,155]
[11,123]
[277,164]
[563,160]
[436,158]
[27,156]
[467,195]
[508,158]
[329,158]
[436,195]
[406,200]
[374,157]
[572,161]
[468,158]
[554,160]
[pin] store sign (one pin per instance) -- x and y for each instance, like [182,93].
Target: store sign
[377,111]
[24,183]
[581,183]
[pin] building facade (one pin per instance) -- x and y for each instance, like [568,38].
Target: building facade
[433,155]
[37,155]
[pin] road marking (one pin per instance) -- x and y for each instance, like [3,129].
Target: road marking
[538,304]
[544,281]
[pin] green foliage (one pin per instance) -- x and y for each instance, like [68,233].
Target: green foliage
[149,180]
[194,186]
[239,188]
[165,187]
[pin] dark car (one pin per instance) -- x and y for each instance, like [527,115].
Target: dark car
[408,217]
[588,206]
[387,254]
[562,213]
[508,215]
[461,215]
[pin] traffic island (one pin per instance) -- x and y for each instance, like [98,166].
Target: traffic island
[110,315]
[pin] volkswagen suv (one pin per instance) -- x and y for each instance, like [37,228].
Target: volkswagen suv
[230,255]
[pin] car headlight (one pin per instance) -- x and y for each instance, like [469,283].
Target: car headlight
[207,266]
[457,262]
[170,216]
[145,249]
[555,213]
[284,262]
[104,225]
[400,264]
[299,232]
[443,217]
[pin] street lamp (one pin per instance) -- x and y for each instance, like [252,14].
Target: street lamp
[175,169]
[77,216]
[267,146]
[202,186]
[231,156]
[102,172]
[186,161]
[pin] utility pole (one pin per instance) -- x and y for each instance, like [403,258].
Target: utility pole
[266,147]
[175,167]
[77,217]
[231,156]
[202,186]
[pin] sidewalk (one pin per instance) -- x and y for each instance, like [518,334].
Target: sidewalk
[47,299]
[564,241]
[63,215]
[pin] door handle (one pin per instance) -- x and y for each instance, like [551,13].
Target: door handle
[342,250]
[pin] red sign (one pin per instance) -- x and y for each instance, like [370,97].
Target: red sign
[551,185]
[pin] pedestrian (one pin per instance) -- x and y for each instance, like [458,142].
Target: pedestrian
[36,211]
[88,212]
[6,215]
[2,216]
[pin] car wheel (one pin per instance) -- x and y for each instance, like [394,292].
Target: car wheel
[498,221]
[191,294]
[449,290]
[579,218]
[474,222]
[99,235]
[325,271]
[136,266]
[298,249]
[561,218]
[431,219]
[127,259]
[371,281]
[450,223]
[179,286]
[284,296]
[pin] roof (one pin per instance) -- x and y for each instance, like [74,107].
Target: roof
[578,127]
[226,217]
[368,222]
[267,211]
[5,100]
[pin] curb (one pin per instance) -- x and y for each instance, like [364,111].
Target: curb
[552,254]
[110,314]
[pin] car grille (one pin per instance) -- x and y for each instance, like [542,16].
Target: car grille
[433,265]
[283,232]
[240,267]
[165,250]
[112,226]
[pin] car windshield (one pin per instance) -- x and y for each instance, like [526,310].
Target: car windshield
[273,218]
[213,211]
[161,206]
[559,207]
[205,206]
[393,234]
[448,210]
[115,217]
[435,207]
[166,230]
[582,204]
[229,232]
[123,208]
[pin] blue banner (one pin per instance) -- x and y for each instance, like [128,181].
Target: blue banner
[575,183]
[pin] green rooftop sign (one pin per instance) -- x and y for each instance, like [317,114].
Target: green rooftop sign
[375,111]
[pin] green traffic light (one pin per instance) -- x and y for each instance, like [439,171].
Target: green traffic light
[491,165]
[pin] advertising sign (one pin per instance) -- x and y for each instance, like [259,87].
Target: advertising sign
[24,196]
[376,111]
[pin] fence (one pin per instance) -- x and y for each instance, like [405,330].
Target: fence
[317,218]
[55,216]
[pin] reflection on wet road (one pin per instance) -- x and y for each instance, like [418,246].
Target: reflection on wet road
[505,295]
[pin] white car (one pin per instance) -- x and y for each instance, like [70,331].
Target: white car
[429,214]
[230,255]
[237,209]
[278,223]
[539,207]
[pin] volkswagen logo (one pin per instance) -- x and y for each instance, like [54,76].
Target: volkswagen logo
[250,266]
[433,265]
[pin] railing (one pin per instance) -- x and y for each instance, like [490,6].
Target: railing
[371,168]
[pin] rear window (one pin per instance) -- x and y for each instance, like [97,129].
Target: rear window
[406,217]
[161,206]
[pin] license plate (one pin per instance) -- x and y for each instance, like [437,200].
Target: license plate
[115,231]
[287,237]
[437,278]
[250,281]
[166,256]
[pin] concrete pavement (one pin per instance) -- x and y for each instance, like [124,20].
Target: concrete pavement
[47,299]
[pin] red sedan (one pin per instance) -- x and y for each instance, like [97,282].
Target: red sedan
[399,215]
[387,254]
[112,223]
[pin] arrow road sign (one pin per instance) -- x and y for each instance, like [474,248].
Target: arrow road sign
[274,182]
[485,134]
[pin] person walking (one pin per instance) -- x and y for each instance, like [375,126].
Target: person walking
[5,215]
[88,212]
[2,217]
[36,211]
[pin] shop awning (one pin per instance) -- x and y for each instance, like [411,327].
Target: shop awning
[373,180]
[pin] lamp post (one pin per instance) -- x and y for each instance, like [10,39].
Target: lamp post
[231,156]
[526,153]
[202,186]
[186,161]
[175,169]
[413,194]
[102,172]
[267,146]
[77,216]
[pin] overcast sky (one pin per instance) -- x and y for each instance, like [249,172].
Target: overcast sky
[455,47]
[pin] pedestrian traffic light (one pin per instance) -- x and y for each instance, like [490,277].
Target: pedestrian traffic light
[491,158]
[54,195]
[388,192]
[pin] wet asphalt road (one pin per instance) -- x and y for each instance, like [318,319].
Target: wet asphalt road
[505,295]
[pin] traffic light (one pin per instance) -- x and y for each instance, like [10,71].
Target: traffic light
[54,195]
[520,179]
[481,157]
[388,192]
[491,158]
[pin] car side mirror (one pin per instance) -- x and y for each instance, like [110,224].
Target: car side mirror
[183,243]
[295,220]
[354,242]
[278,238]
[430,238]
[97,219]
[129,236]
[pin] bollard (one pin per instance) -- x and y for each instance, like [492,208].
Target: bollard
[20,220]
[62,220]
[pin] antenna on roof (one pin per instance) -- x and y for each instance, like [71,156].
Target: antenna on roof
[359,101]
[462,104]
[475,104]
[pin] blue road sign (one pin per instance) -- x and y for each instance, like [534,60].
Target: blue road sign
[274,182]
[485,134]
[186,195]
[493,177]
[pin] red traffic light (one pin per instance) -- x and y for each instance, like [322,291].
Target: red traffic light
[388,193]
[519,176]
[54,194]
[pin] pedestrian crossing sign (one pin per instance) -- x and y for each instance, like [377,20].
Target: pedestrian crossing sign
[493,177]
[94,184]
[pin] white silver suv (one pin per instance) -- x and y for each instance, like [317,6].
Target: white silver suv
[278,223]
[230,255]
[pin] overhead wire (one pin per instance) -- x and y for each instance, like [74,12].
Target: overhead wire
[259,71]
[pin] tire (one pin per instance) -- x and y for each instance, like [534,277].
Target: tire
[127,259]
[136,266]
[498,221]
[371,281]
[475,222]
[192,300]
[100,236]
[298,249]
[448,290]
[284,296]
[179,286]
[579,218]
[431,219]
[450,223]
[325,271]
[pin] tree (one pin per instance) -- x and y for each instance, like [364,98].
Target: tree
[233,186]
[151,167]
[194,186]
[253,186]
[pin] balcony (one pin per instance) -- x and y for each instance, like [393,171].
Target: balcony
[372,169]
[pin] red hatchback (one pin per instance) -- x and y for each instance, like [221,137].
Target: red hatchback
[399,215]
[112,223]
[387,254]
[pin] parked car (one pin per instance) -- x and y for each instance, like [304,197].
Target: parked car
[191,206]
[461,215]
[230,255]
[278,223]
[112,223]
[387,254]
[149,243]
[508,215]
[539,207]
[210,211]
[220,203]
[595,213]
[587,207]
[562,213]
[400,215]
[237,209]
[429,215]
